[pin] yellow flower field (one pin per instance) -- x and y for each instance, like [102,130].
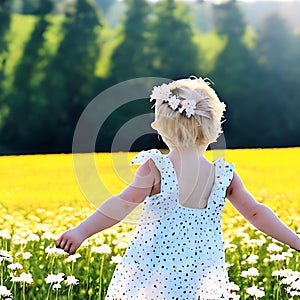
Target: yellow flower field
[40,197]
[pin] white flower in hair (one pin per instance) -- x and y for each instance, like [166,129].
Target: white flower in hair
[189,107]
[160,92]
[164,94]
[174,102]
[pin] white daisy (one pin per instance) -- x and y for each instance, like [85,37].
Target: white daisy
[55,278]
[15,266]
[255,291]
[173,101]
[71,280]
[26,278]
[4,291]
[160,92]
[56,286]
[252,272]
[116,259]
[73,258]
[189,107]
[103,249]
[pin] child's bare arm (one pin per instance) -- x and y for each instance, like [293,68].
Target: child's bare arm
[112,211]
[260,215]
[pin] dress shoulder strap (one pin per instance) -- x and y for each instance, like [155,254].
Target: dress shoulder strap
[163,204]
[224,172]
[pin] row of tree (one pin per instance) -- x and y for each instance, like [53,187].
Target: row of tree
[51,84]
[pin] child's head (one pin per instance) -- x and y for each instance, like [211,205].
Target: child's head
[188,113]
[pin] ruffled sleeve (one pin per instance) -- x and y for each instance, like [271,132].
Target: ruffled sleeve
[154,154]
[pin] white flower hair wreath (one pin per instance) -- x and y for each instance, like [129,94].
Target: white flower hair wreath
[163,93]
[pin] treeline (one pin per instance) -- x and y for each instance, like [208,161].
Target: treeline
[55,59]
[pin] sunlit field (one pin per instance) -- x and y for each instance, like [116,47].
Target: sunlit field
[40,198]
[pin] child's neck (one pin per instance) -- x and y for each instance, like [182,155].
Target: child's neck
[198,150]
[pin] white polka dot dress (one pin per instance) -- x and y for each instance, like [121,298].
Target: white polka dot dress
[176,252]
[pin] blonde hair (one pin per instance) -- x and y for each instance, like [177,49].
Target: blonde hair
[202,128]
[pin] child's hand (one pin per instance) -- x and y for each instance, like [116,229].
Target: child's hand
[70,240]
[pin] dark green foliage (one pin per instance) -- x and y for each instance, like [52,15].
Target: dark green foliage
[26,110]
[133,57]
[176,55]
[37,7]
[229,20]
[5,18]
[275,35]
[279,55]
[70,75]
[238,80]
[44,109]
[29,6]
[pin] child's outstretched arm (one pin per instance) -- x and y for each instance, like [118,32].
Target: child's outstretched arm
[112,211]
[260,215]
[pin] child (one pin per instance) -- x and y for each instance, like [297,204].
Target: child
[177,251]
